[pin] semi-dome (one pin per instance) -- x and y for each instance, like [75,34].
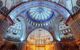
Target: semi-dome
[39,13]
[40,36]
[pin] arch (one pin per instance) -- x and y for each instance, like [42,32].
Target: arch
[40,37]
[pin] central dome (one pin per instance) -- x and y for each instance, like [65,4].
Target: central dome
[40,14]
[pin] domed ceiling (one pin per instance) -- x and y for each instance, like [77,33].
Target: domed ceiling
[38,14]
